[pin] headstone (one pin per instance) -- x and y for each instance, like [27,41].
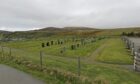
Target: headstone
[61,42]
[51,42]
[78,45]
[43,45]
[47,44]
[73,47]
[58,42]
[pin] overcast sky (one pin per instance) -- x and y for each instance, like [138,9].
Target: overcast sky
[31,14]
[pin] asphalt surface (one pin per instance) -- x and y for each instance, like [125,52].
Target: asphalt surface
[9,75]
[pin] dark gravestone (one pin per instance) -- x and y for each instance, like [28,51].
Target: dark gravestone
[61,51]
[73,47]
[59,42]
[47,44]
[78,45]
[43,45]
[76,40]
[51,42]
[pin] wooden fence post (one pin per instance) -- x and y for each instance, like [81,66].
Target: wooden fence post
[2,52]
[79,67]
[41,60]
[10,52]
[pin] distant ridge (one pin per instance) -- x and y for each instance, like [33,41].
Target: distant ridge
[55,29]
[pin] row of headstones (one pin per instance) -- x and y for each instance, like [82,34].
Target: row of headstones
[50,43]
[85,41]
[82,43]
[135,51]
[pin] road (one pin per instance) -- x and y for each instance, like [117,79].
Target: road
[9,75]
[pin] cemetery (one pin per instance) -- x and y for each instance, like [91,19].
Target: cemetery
[70,42]
[76,59]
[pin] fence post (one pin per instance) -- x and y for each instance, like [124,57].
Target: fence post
[41,60]
[79,67]
[2,52]
[10,52]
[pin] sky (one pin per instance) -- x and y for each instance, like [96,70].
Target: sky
[18,15]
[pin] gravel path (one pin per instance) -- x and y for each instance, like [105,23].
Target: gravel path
[10,75]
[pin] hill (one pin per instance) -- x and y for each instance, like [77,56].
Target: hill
[76,31]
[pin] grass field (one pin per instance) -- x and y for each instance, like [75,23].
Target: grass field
[107,67]
[35,47]
[115,52]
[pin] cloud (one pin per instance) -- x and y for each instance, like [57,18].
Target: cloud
[30,14]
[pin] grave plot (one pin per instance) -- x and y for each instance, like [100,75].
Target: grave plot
[133,44]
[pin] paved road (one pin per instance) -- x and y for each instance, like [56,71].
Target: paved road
[10,75]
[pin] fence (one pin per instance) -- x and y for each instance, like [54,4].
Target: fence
[67,68]
[48,63]
[133,44]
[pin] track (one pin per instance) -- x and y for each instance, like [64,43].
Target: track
[10,75]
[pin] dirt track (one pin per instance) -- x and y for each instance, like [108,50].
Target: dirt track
[10,75]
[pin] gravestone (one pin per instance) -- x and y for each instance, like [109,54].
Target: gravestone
[43,45]
[59,42]
[73,47]
[47,44]
[52,43]
[78,45]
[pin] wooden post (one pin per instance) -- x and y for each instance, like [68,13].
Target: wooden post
[41,60]
[79,67]
[2,52]
[10,52]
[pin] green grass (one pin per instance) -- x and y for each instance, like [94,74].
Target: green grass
[115,52]
[109,73]
[34,46]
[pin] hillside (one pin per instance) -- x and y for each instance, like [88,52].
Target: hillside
[79,31]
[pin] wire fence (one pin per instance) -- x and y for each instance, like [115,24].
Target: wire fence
[41,61]
[61,67]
